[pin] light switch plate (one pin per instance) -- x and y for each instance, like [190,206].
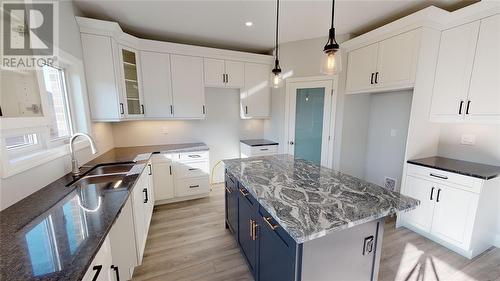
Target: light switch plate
[468,139]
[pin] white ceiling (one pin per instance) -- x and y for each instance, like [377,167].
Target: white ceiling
[222,23]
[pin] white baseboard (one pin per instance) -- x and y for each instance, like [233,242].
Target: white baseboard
[496,241]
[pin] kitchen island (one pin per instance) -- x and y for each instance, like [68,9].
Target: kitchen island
[294,220]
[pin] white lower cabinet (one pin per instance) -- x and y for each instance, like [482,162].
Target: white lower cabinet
[100,268]
[455,210]
[180,176]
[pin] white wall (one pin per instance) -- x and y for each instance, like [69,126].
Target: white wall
[221,130]
[18,186]
[298,59]
[386,141]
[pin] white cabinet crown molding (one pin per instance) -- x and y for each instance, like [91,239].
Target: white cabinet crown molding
[113,29]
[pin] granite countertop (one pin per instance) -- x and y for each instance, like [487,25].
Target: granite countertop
[54,233]
[310,201]
[472,169]
[258,142]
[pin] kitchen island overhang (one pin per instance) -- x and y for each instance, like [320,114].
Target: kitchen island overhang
[321,223]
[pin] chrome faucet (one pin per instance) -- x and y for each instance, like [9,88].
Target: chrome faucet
[75,170]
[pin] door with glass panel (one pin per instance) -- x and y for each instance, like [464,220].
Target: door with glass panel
[310,114]
[133,106]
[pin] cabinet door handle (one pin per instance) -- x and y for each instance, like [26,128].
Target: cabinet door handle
[194,186]
[246,109]
[171,109]
[223,78]
[467,109]
[251,229]
[254,230]
[142,108]
[145,190]
[227,78]
[117,273]
[170,169]
[439,193]
[150,169]
[371,79]
[460,107]
[432,192]
[97,269]
[203,109]
[438,176]
[268,222]
[376,77]
[228,190]
[243,192]
[122,109]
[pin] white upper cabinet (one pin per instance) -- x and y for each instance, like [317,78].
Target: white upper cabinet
[361,68]
[397,60]
[156,85]
[106,102]
[256,96]
[224,73]
[484,92]
[131,83]
[188,87]
[214,73]
[466,86]
[235,74]
[387,65]
[453,70]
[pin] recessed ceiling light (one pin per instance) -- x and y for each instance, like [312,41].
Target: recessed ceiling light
[248,23]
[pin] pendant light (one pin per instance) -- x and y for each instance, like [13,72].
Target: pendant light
[332,60]
[276,76]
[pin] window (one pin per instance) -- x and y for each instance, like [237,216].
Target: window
[22,141]
[58,106]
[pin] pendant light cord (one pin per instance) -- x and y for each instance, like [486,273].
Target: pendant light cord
[277,24]
[333,11]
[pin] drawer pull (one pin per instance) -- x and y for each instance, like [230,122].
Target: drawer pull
[194,186]
[243,192]
[264,149]
[192,169]
[438,176]
[268,222]
[194,156]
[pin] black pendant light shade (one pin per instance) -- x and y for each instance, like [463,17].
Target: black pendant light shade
[277,69]
[332,63]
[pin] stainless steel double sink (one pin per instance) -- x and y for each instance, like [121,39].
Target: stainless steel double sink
[105,176]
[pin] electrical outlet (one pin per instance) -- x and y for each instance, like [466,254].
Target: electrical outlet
[468,139]
[164,130]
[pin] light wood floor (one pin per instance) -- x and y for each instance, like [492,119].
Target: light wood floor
[187,241]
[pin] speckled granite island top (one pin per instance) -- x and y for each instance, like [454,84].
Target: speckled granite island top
[310,201]
[54,233]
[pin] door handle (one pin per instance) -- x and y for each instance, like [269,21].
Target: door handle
[268,222]
[460,107]
[97,269]
[467,109]
[117,273]
[432,192]
[371,79]
[145,191]
[439,193]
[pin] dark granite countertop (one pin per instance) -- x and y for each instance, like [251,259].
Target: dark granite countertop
[310,201]
[258,142]
[472,169]
[54,233]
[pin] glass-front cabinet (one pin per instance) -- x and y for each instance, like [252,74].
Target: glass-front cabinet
[133,106]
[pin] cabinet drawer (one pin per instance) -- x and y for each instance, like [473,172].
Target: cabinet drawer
[465,182]
[264,150]
[193,156]
[191,169]
[186,187]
